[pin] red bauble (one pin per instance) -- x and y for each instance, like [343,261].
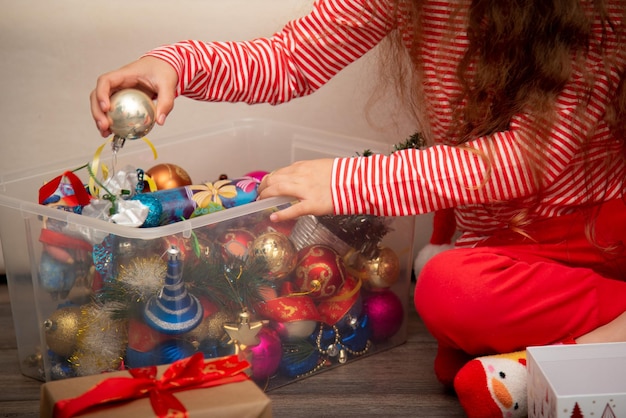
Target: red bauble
[320,271]
[143,338]
[385,312]
[236,243]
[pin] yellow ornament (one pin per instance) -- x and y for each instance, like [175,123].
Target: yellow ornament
[244,332]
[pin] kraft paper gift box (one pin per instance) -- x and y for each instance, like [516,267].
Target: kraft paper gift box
[575,381]
[231,396]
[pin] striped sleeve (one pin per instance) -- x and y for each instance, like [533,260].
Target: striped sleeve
[292,63]
[412,182]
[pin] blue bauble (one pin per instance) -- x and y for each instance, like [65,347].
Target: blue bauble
[55,276]
[293,365]
[174,350]
[165,353]
[356,339]
[136,358]
[209,347]
[60,368]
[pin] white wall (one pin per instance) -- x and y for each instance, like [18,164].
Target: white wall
[51,53]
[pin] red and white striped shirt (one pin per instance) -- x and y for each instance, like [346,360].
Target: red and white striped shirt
[309,51]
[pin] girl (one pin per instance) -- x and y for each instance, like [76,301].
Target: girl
[523,104]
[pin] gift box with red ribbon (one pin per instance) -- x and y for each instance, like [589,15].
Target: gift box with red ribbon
[191,387]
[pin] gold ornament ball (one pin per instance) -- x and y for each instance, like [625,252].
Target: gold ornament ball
[381,271]
[169,176]
[279,253]
[132,114]
[61,330]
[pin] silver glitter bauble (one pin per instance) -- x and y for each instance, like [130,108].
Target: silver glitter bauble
[132,114]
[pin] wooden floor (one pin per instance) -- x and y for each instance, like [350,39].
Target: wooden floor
[395,383]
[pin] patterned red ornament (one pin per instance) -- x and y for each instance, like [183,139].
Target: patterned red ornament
[320,271]
[236,243]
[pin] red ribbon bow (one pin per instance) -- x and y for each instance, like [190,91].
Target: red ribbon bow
[190,373]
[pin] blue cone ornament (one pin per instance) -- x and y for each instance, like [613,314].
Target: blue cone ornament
[174,310]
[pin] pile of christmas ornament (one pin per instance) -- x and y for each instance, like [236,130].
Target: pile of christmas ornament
[292,297]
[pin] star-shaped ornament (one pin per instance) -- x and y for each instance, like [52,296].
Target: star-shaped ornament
[244,332]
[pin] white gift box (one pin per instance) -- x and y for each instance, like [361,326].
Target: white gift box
[586,380]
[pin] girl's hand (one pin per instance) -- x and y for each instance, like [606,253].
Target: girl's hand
[308,181]
[152,75]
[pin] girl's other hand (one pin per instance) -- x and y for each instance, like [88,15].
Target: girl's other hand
[308,181]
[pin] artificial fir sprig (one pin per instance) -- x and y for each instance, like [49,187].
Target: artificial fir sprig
[228,281]
[415,141]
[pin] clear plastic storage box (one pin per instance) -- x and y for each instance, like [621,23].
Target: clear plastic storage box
[90,296]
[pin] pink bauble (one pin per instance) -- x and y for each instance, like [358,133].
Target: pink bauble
[258,175]
[266,355]
[385,312]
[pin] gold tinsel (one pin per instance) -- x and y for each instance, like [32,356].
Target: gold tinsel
[101,340]
[143,275]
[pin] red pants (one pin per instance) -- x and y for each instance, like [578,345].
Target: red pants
[512,292]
